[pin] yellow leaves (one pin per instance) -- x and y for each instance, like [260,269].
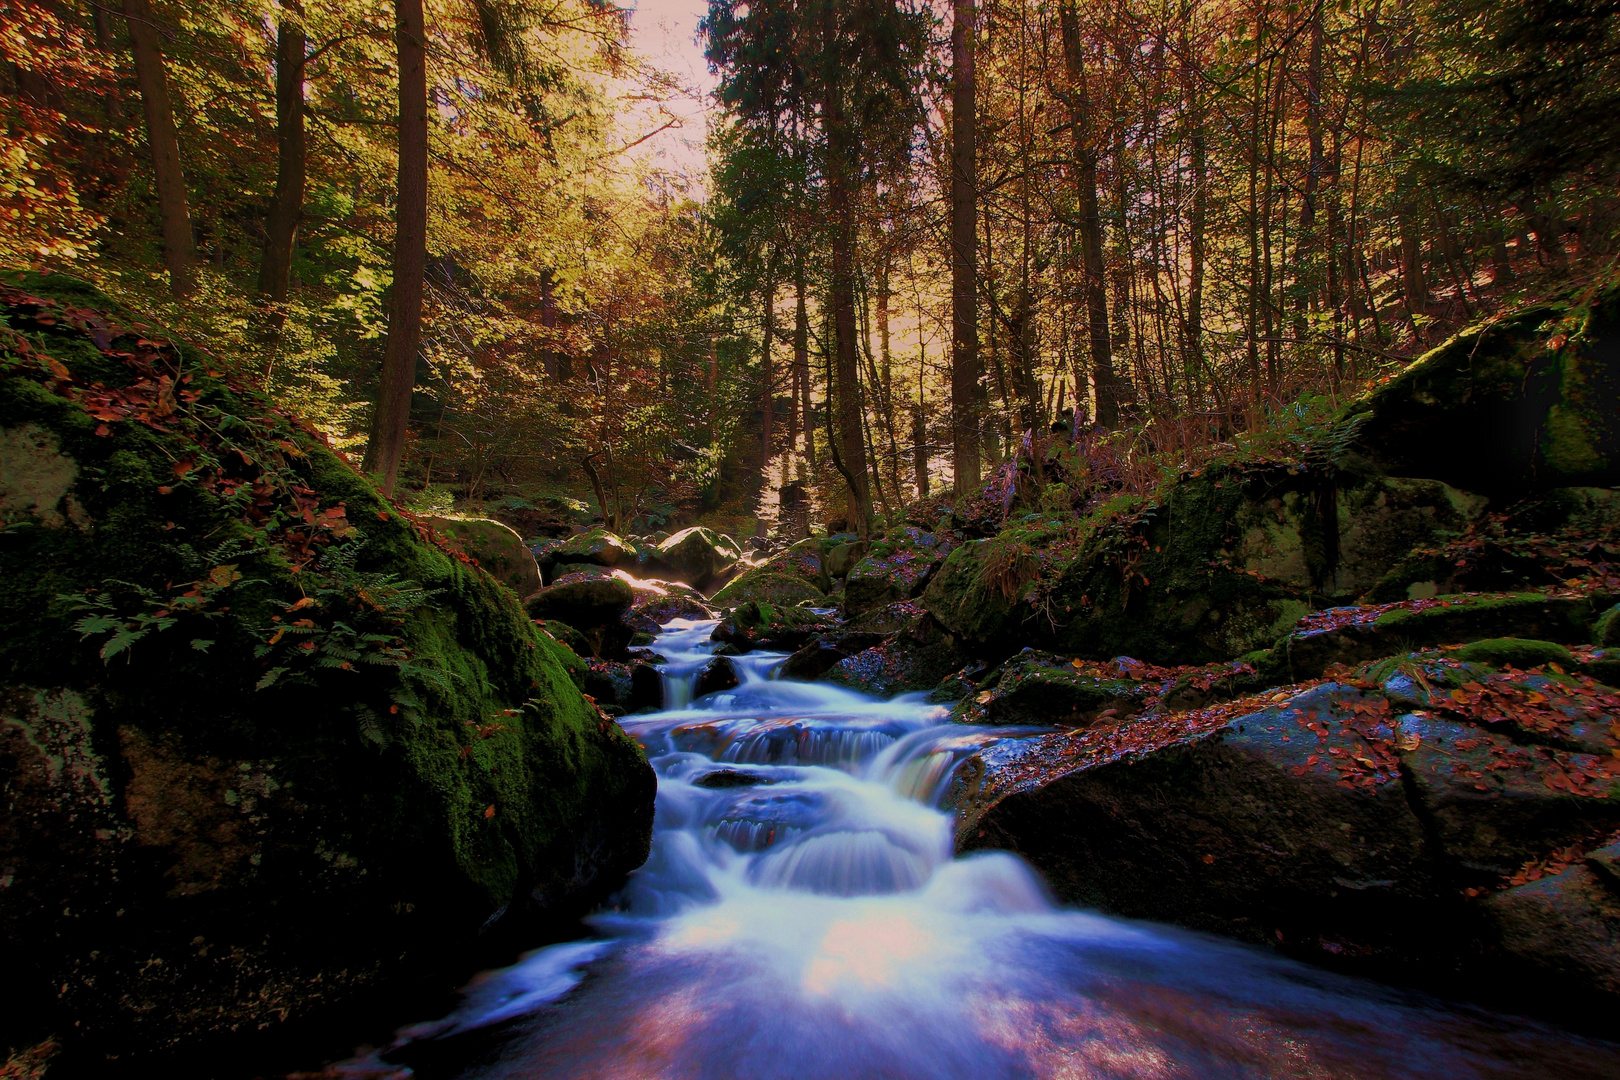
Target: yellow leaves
[985,696]
[1409,741]
[221,576]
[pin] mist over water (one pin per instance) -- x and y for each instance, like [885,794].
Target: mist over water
[802,916]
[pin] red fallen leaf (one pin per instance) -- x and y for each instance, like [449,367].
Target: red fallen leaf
[182,467]
[1209,860]
[489,811]
[164,489]
[102,429]
[308,646]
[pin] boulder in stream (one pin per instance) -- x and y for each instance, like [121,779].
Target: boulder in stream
[268,754]
[1380,823]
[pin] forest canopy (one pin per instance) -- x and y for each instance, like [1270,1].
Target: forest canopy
[927,235]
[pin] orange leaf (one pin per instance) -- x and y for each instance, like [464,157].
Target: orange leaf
[489,811]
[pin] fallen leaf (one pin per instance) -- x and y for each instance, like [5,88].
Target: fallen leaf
[489,811]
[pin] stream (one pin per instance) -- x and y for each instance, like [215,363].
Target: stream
[802,916]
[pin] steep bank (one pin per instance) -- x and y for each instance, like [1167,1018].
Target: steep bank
[266,751]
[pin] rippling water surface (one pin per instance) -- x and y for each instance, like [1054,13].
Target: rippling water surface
[802,917]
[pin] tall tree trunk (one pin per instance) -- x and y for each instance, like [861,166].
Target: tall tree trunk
[410,251]
[169,182]
[1305,248]
[1196,224]
[964,253]
[1122,275]
[1091,253]
[801,359]
[111,107]
[287,205]
[767,374]
[842,171]
[919,449]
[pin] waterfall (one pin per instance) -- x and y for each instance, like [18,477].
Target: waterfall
[802,916]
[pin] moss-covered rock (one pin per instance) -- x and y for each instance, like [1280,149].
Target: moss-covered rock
[803,560]
[757,625]
[1037,687]
[1352,635]
[893,569]
[594,606]
[696,556]
[595,546]
[765,585]
[1517,652]
[494,546]
[265,749]
[1528,401]
[1606,630]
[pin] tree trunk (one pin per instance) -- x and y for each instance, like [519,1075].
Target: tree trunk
[801,360]
[410,251]
[1096,289]
[1197,222]
[767,374]
[169,182]
[964,253]
[919,449]
[287,205]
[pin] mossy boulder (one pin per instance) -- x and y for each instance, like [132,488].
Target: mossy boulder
[1525,402]
[697,556]
[594,606]
[494,546]
[1037,687]
[266,751]
[595,546]
[1606,630]
[1518,652]
[803,560]
[765,585]
[893,569]
[759,625]
[1352,635]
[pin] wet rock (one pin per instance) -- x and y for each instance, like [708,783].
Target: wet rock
[915,659]
[893,569]
[717,675]
[697,556]
[344,753]
[813,660]
[495,547]
[840,557]
[764,585]
[1559,941]
[890,619]
[731,778]
[755,625]
[624,687]
[1363,824]
[1040,688]
[592,606]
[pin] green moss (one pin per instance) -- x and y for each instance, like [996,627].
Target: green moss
[1606,630]
[1519,652]
[418,697]
[765,585]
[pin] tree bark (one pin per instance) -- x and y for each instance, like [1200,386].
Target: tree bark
[410,251]
[841,153]
[964,253]
[287,205]
[801,359]
[169,181]
[767,373]
[1094,282]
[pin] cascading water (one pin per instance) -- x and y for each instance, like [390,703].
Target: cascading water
[802,916]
